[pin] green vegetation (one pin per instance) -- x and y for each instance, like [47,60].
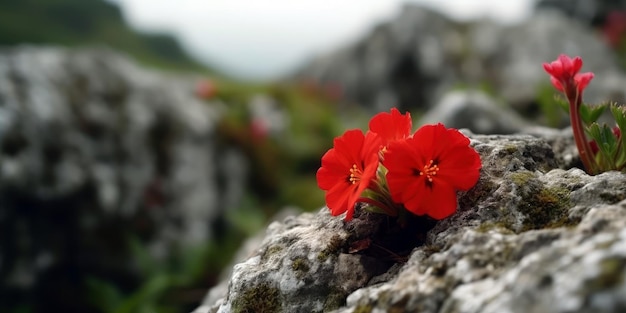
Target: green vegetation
[282,165]
[610,276]
[258,299]
[543,207]
[76,23]
[334,244]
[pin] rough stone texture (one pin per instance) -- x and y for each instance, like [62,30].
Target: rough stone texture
[588,11]
[529,237]
[411,61]
[95,150]
[475,111]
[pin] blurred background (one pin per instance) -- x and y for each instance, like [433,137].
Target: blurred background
[142,142]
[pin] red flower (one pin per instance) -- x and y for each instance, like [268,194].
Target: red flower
[347,170]
[424,171]
[206,89]
[391,126]
[564,74]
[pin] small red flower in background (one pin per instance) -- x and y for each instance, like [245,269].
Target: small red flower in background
[426,170]
[564,74]
[347,170]
[391,126]
[259,130]
[614,28]
[206,89]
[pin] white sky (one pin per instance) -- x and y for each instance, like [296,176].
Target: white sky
[259,39]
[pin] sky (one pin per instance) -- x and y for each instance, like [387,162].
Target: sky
[264,39]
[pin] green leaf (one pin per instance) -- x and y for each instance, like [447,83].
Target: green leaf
[591,113]
[562,103]
[619,114]
[607,145]
[103,294]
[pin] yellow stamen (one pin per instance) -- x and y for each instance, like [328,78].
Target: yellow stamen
[430,170]
[355,174]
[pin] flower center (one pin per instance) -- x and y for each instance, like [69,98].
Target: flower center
[430,170]
[355,174]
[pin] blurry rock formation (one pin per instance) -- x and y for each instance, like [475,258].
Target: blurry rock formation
[413,60]
[96,151]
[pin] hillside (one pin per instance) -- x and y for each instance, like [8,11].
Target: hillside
[88,22]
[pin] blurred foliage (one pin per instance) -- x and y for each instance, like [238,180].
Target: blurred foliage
[282,165]
[552,115]
[88,22]
[282,174]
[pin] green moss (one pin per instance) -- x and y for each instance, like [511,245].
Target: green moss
[363,308]
[336,298]
[335,244]
[546,208]
[611,274]
[503,226]
[271,250]
[300,266]
[543,207]
[510,148]
[522,177]
[262,298]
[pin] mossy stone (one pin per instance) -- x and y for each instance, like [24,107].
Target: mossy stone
[261,298]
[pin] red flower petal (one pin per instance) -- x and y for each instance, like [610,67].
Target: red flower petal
[582,80]
[347,170]
[391,126]
[425,171]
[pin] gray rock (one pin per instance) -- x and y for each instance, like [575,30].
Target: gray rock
[95,150]
[529,237]
[587,11]
[413,60]
[475,111]
[516,62]
[399,64]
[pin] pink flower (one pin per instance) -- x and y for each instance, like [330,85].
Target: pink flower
[564,74]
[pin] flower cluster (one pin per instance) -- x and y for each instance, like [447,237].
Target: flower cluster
[391,170]
[607,148]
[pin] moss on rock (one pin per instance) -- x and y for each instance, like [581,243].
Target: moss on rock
[261,298]
[335,244]
[300,266]
[546,208]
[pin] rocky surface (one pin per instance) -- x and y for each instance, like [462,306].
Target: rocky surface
[532,236]
[587,11]
[476,111]
[95,151]
[413,60]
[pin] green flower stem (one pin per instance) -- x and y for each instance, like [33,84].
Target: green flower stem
[388,210]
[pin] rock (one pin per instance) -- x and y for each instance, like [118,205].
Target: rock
[416,58]
[95,151]
[529,237]
[403,63]
[475,111]
[587,11]
[516,62]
